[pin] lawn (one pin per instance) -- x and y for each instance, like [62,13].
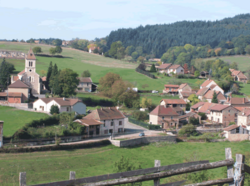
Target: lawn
[15,119]
[42,167]
[156,98]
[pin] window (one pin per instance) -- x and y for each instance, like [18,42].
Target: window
[228,110]
[171,117]
[29,79]
[120,122]
[235,114]
[162,117]
[120,130]
[112,123]
[104,123]
[87,84]
[181,105]
[67,109]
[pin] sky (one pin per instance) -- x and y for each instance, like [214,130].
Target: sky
[88,19]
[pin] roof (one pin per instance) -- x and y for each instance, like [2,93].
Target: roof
[186,94]
[105,114]
[85,80]
[182,85]
[245,112]
[15,78]
[174,101]
[205,108]
[218,107]
[197,105]
[161,110]
[178,109]
[22,72]
[44,78]
[31,55]
[209,95]
[175,66]
[213,86]
[18,84]
[190,114]
[171,86]
[239,100]
[207,82]
[88,122]
[235,72]
[164,66]
[231,127]
[202,91]
[62,101]
[241,76]
[15,94]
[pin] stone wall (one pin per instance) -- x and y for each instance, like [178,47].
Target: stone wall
[143,140]
[21,105]
[238,137]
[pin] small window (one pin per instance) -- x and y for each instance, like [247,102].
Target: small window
[67,109]
[235,114]
[112,123]
[162,117]
[104,123]
[120,122]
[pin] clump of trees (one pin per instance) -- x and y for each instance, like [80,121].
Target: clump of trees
[37,50]
[112,86]
[5,70]
[56,50]
[86,73]
[140,116]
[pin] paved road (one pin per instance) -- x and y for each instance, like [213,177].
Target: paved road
[132,128]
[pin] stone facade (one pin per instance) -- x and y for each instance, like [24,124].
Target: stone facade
[84,87]
[1,134]
[24,91]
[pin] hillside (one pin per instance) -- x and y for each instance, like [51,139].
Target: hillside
[157,39]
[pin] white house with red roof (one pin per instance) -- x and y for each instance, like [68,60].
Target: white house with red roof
[174,103]
[176,69]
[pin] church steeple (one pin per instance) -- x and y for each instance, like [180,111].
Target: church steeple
[30,62]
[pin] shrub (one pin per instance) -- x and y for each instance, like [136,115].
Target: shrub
[231,123]
[139,115]
[188,130]
[188,107]
[54,109]
[194,121]
[203,116]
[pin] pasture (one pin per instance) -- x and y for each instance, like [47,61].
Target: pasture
[42,167]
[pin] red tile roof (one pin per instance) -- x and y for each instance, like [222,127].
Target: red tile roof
[182,85]
[18,84]
[241,76]
[245,111]
[231,127]
[210,93]
[197,105]
[235,72]
[85,79]
[61,101]
[171,86]
[164,66]
[22,72]
[190,114]
[88,122]
[105,114]
[31,55]
[3,94]
[44,78]
[161,110]
[15,78]
[174,101]
[175,66]
[218,107]
[205,108]
[207,82]
[239,101]
[202,91]
[186,94]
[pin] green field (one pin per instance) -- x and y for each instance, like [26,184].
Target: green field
[42,167]
[156,98]
[15,119]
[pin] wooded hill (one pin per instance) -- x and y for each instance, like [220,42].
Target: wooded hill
[157,39]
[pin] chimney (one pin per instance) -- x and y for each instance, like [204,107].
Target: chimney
[63,98]
[228,99]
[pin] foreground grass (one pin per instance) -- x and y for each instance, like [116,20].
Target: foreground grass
[15,119]
[42,167]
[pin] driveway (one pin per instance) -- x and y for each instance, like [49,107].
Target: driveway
[132,128]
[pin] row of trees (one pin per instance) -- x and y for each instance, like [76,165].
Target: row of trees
[5,70]
[50,41]
[55,50]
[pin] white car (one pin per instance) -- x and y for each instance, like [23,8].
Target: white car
[155,91]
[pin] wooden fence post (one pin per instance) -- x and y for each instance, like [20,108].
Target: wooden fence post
[239,169]
[230,170]
[72,175]
[22,179]
[157,181]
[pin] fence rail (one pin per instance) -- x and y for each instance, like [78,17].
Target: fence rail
[158,172]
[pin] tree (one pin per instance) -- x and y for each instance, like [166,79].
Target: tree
[68,82]
[188,107]
[4,74]
[234,66]
[37,50]
[106,83]
[129,50]
[86,73]
[235,88]
[49,75]
[185,66]
[43,72]
[134,56]
[141,59]
[188,130]
[96,51]
[193,121]
[52,51]
[58,49]
[214,100]
[146,102]
[196,73]
[140,116]
[57,42]
[54,109]
[193,99]
[247,49]
[153,69]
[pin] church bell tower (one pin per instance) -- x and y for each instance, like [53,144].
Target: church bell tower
[30,62]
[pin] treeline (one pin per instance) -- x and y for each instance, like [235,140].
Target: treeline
[185,54]
[157,39]
[50,41]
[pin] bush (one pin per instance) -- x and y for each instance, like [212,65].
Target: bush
[188,107]
[143,124]
[231,123]
[203,116]
[194,121]
[188,130]
[139,115]
[54,109]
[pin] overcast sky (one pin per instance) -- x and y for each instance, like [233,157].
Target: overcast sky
[88,19]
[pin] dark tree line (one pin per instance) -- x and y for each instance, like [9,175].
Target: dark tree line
[157,39]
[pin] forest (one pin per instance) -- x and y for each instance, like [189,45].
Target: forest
[157,39]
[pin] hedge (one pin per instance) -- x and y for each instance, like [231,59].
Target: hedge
[145,73]
[143,124]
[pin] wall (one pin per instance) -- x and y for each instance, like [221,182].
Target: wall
[238,137]
[229,115]
[83,86]
[143,140]
[37,104]
[217,88]
[22,105]
[35,83]
[153,119]
[25,92]
[14,100]
[115,126]
[243,120]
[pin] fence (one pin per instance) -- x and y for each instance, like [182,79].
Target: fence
[157,172]
[145,73]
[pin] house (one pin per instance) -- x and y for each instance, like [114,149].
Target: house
[209,96]
[184,119]
[167,117]
[18,92]
[164,67]
[65,43]
[173,103]
[216,88]
[184,88]
[244,118]
[204,74]
[196,107]
[238,76]
[85,84]
[171,89]
[235,133]
[113,120]
[208,83]
[201,92]
[64,105]
[176,69]
[1,133]
[92,126]
[205,107]
[222,114]
[184,95]
[238,102]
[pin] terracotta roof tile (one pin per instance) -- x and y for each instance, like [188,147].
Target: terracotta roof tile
[207,82]
[88,122]
[175,66]
[164,66]
[171,86]
[210,93]
[174,101]
[190,114]
[202,91]
[85,79]
[182,85]
[105,114]
[31,55]
[18,84]
[197,105]
[161,110]
[239,100]
[186,94]
[21,73]
[44,78]
[204,108]
[218,107]
[245,111]
[231,127]
[61,101]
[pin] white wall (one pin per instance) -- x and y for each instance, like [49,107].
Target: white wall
[217,88]
[153,119]
[38,103]
[115,127]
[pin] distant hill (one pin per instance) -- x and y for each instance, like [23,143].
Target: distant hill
[157,39]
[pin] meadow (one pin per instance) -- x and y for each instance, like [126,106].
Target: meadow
[42,167]
[15,119]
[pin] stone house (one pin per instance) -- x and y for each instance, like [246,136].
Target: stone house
[164,67]
[64,105]
[209,96]
[1,134]
[196,107]
[18,92]
[184,119]
[174,103]
[184,88]
[113,120]
[244,118]
[235,133]
[85,84]
[238,76]
[238,102]
[208,83]
[171,89]
[184,95]
[92,126]
[201,92]
[222,114]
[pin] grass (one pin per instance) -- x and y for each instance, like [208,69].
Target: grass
[42,167]
[156,98]
[15,119]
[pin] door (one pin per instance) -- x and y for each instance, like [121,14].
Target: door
[97,131]
[162,125]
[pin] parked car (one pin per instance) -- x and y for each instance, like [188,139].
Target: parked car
[155,91]
[142,134]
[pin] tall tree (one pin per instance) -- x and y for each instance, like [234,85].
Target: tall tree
[214,100]
[153,69]
[4,74]
[58,49]
[53,77]
[49,75]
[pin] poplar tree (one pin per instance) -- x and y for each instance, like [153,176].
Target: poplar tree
[4,74]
